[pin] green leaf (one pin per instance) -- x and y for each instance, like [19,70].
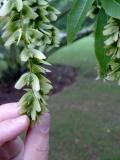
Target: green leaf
[99,43]
[117,1]
[112,8]
[19,5]
[77,16]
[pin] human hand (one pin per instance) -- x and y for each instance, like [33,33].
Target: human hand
[12,124]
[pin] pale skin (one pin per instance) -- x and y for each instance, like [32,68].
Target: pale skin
[12,124]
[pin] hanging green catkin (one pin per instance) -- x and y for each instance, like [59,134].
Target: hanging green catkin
[112,45]
[28,23]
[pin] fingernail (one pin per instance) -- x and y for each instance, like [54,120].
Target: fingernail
[43,124]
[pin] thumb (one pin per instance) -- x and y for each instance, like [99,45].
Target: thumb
[37,141]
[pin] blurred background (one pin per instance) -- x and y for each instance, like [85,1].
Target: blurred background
[85,112]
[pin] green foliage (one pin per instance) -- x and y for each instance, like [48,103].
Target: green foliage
[112,8]
[107,42]
[77,16]
[28,24]
[112,43]
[100,50]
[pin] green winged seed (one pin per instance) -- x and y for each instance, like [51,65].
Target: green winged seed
[110,30]
[30,53]
[29,12]
[6,8]
[11,26]
[26,99]
[25,55]
[118,54]
[44,79]
[110,78]
[46,63]
[53,17]
[109,41]
[111,51]
[38,54]
[33,113]
[47,40]
[37,95]
[39,69]
[55,10]
[16,36]
[42,2]
[116,36]
[22,81]
[34,32]
[46,88]
[6,34]
[45,26]
[110,25]
[11,40]
[118,43]
[19,5]
[35,82]
[36,105]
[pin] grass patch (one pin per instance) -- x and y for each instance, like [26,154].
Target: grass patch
[80,54]
[85,116]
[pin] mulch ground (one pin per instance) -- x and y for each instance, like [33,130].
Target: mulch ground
[61,76]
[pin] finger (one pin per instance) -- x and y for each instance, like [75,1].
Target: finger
[8,111]
[37,141]
[14,147]
[11,128]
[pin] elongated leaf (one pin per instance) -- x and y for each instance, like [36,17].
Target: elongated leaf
[77,16]
[99,43]
[112,8]
[117,1]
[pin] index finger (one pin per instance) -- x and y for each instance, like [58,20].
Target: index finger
[8,111]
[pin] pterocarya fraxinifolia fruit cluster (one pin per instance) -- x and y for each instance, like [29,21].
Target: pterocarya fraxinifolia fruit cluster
[111,33]
[28,24]
[112,44]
